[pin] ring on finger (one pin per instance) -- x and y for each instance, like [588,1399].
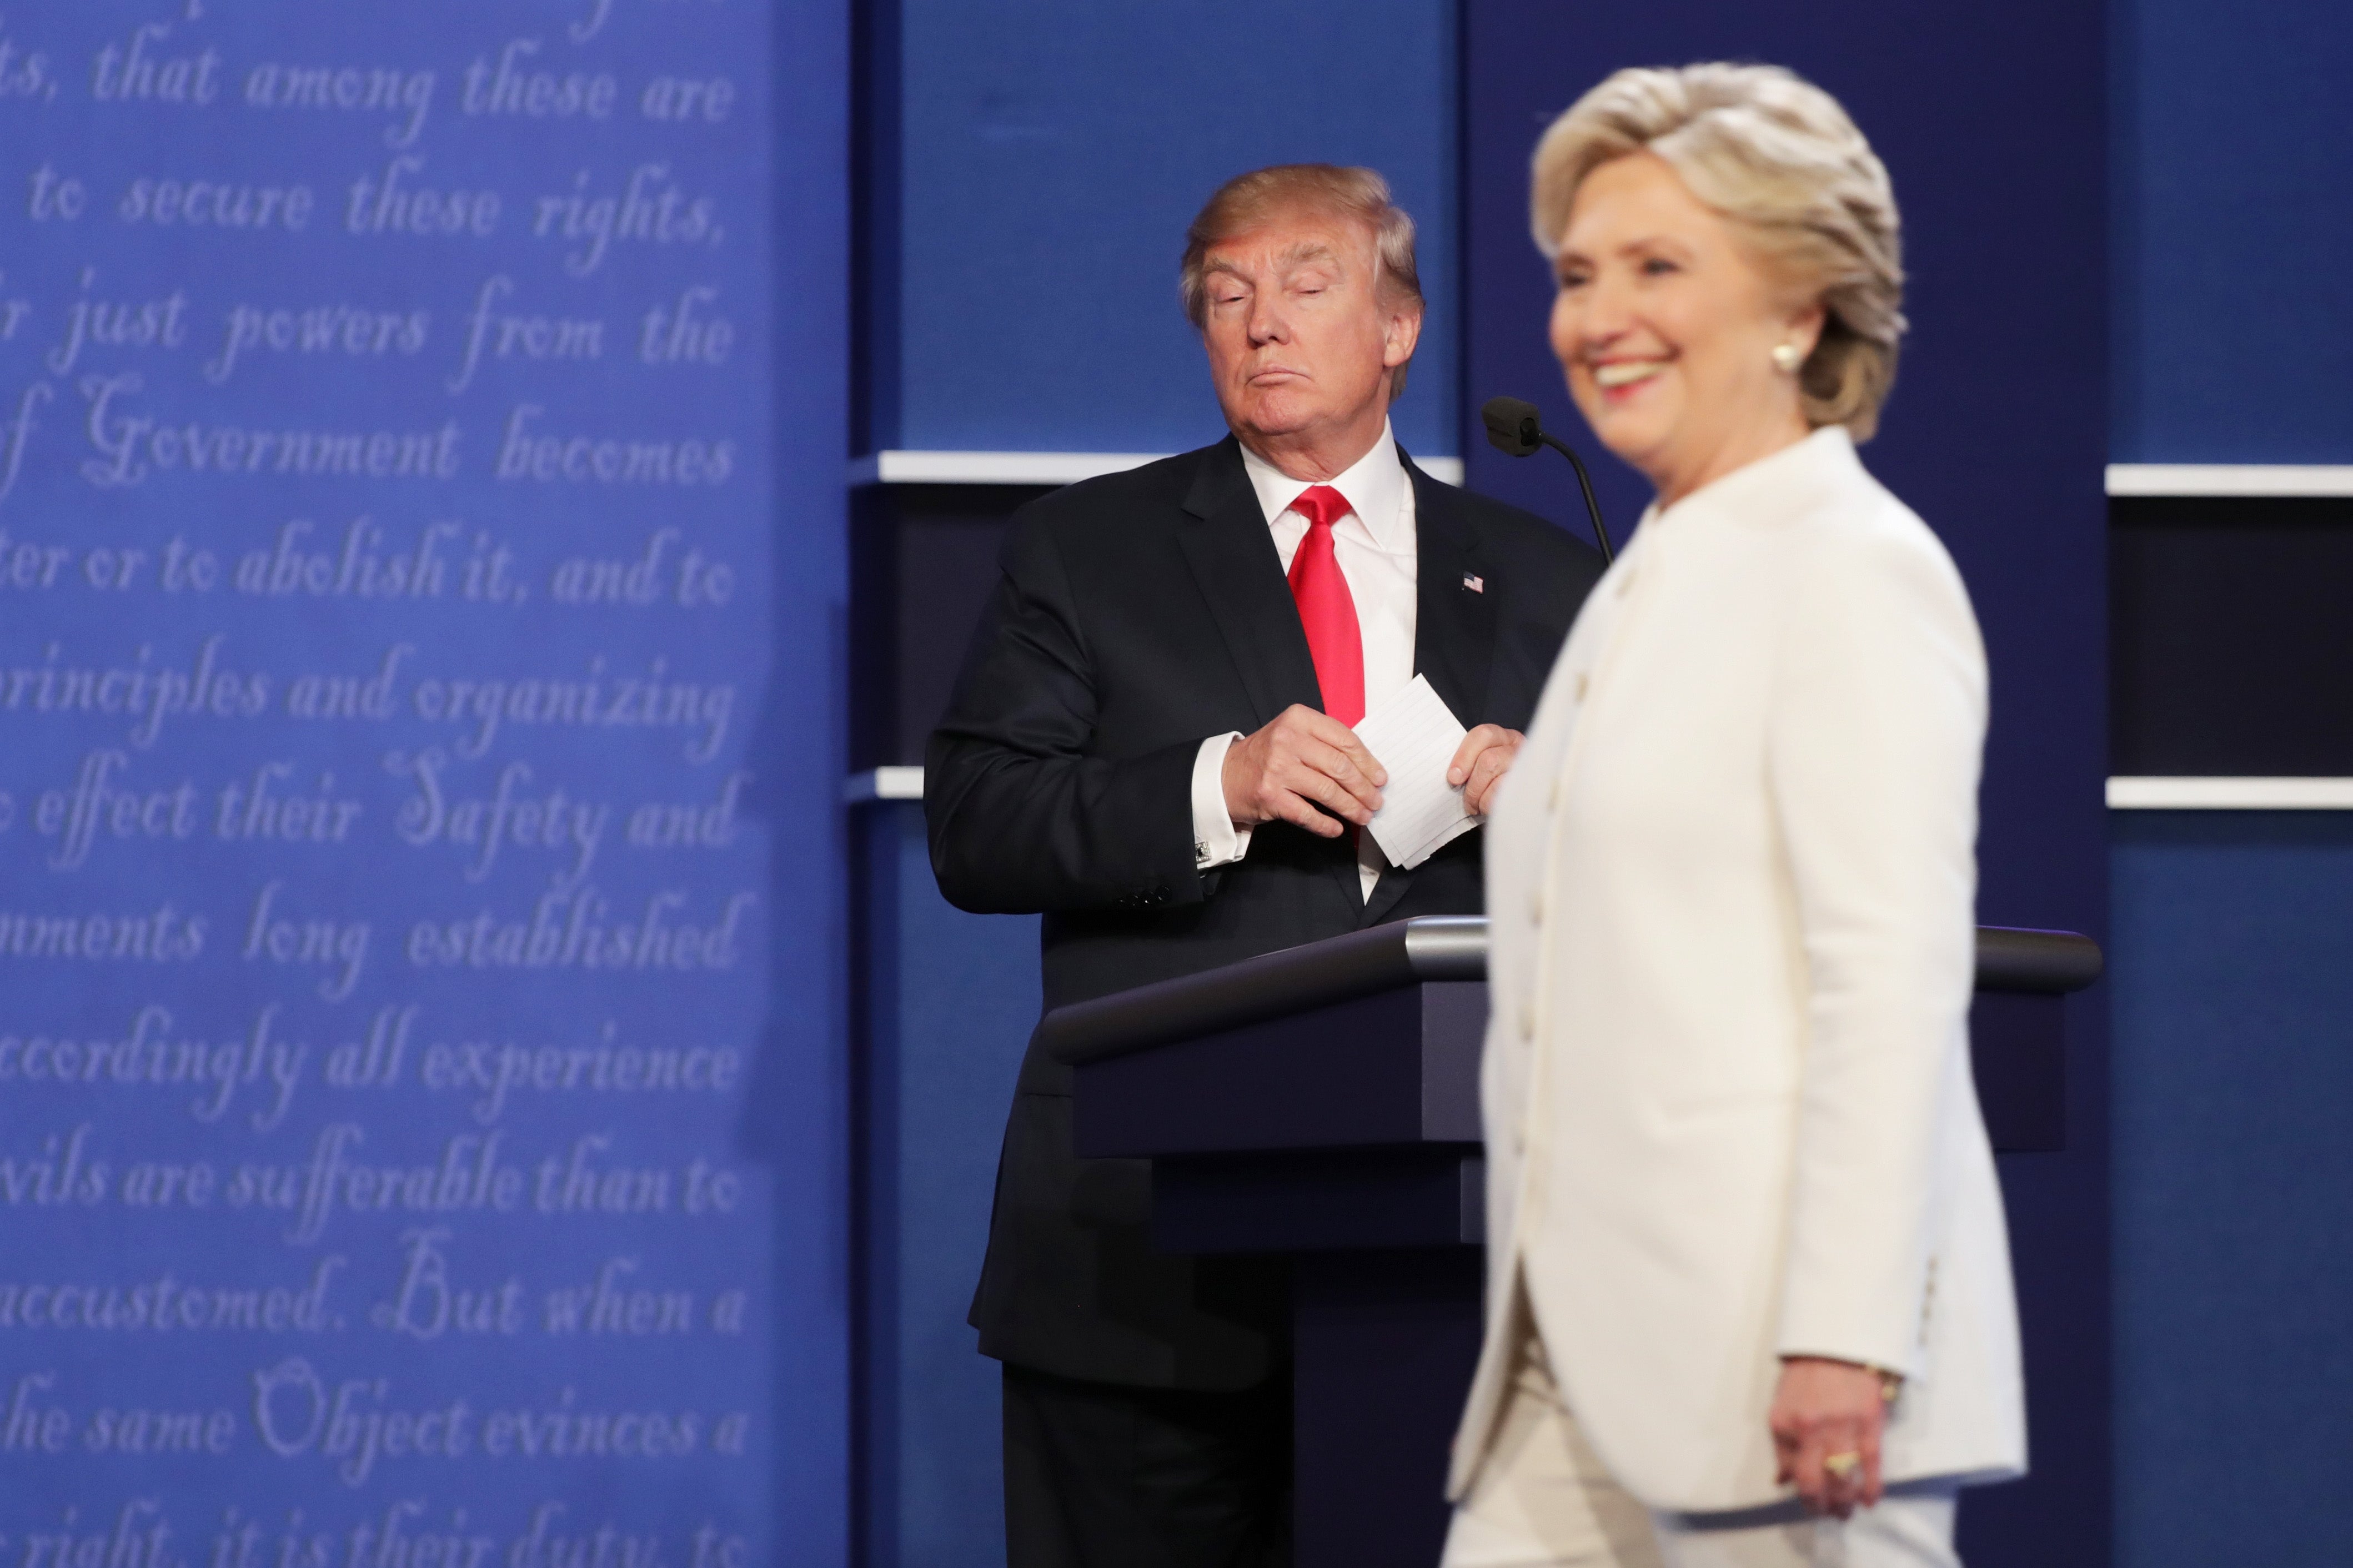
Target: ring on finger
[1842,1464]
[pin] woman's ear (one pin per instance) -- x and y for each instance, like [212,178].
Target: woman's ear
[1805,329]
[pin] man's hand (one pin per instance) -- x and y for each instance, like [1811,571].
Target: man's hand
[1479,763]
[1826,1419]
[1302,761]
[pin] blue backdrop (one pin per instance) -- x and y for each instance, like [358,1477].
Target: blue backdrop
[1045,158]
[420,1106]
[2232,232]
[2234,1195]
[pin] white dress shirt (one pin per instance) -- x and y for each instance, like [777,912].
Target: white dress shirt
[1375,545]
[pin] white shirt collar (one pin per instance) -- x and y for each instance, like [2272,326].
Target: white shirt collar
[1374,486]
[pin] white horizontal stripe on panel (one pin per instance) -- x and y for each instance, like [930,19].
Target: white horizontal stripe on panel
[1036,468]
[2230,478]
[883,784]
[2142,792]
[2147,793]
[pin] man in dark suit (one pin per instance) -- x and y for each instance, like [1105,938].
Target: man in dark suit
[1151,743]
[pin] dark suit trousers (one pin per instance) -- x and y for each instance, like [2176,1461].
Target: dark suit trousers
[1098,1475]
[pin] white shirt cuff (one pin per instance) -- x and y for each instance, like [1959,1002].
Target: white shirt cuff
[1216,840]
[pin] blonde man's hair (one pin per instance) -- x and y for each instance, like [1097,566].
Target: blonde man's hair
[1777,155]
[1289,190]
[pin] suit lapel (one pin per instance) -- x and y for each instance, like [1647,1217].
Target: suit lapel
[1454,624]
[1233,557]
[1231,551]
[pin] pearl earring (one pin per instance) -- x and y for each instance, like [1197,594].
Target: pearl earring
[1785,358]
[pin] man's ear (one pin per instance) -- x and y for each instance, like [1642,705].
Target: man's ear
[1400,334]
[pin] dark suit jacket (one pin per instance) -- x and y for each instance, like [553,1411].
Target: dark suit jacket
[1138,615]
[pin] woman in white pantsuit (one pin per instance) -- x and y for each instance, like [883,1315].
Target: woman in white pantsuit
[1749,1298]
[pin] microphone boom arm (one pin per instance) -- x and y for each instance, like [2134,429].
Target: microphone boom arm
[1585,483]
[1514,428]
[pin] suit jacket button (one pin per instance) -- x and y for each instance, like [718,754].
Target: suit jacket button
[1528,1021]
[1536,906]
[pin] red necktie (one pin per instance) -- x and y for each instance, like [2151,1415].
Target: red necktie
[1327,608]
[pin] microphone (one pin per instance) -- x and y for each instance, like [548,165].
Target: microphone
[1515,426]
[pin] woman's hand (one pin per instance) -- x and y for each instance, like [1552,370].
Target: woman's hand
[1826,1419]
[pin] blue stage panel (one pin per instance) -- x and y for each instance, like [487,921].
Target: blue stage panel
[2234,1195]
[1049,157]
[949,1001]
[2234,329]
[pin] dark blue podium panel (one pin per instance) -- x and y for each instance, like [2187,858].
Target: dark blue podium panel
[1397,1067]
[402,1161]
[1398,1070]
[1356,1124]
[2018,1049]
[1337,1200]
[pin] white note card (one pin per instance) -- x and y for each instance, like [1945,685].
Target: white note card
[1413,735]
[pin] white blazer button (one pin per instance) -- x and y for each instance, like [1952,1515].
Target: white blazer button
[1536,906]
[1528,1021]
[1581,684]
[1552,801]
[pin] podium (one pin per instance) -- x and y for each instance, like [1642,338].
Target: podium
[1322,1102]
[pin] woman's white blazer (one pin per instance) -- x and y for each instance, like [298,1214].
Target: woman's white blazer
[1726,1088]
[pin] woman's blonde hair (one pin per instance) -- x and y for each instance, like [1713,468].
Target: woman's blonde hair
[1777,155]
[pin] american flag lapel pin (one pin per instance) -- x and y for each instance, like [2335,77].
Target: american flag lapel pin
[1476,585]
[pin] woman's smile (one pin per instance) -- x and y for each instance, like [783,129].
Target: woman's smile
[1618,379]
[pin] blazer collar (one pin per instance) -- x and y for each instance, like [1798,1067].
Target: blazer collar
[1783,485]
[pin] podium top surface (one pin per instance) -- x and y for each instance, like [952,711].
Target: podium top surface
[1435,947]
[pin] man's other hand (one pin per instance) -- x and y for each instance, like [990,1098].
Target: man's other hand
[1306,767]
[1479,763]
